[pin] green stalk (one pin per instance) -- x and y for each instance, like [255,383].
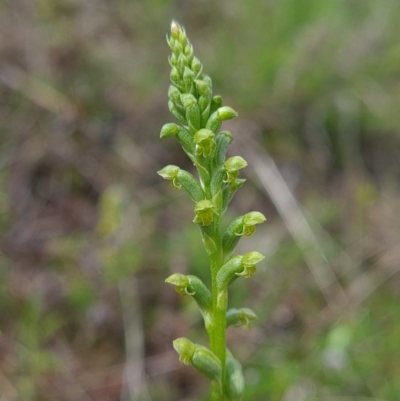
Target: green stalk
[217,332]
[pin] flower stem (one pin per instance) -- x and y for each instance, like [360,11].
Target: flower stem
[217,330]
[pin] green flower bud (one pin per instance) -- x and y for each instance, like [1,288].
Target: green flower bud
[205,143]
[232,167]
[188,52]
[192,112]
[178,34]
[185,348]
[226,113]
[188,100]
[204,212]
[242,317]
[175,30]
[176,113]
[203,87]
[182,63]
[169,129]
[176,47]
[172,60]
[234,380]
[170,173]
[207,80]
[174,94]
[170,41]
[192,285]
[188,79]
[196,66]
[175,77]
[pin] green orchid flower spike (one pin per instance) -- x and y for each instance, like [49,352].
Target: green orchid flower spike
[199,116]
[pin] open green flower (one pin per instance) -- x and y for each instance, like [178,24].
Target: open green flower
[193,286]
[205,142]
[181,283]
[242,317]
[252,258]
[170,173]
[232,167]
[205,212]
[250,220]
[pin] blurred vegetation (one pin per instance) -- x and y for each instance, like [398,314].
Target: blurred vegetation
[89,233]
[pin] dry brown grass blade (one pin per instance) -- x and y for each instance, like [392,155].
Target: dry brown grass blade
[134,385]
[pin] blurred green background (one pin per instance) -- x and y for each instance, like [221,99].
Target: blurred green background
[89,232]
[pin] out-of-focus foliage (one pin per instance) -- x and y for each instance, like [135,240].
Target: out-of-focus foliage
[88,235]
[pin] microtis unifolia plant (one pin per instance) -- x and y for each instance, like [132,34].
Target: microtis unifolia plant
[200,115]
